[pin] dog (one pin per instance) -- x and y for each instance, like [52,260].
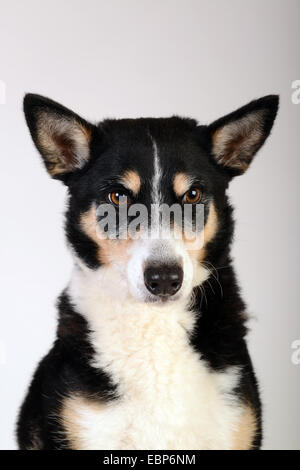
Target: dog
[150,350]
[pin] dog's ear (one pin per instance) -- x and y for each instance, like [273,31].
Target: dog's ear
[237,137]
[62,138]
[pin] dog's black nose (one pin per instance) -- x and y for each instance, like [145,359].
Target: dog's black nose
[163,280]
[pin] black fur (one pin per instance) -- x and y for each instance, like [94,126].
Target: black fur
[116,146]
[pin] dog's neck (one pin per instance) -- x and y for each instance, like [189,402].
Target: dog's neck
[122,329]
[114,327]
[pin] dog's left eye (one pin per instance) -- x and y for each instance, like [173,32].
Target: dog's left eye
[118,198]
[192,196]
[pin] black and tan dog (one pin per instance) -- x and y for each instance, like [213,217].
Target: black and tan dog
[150,350]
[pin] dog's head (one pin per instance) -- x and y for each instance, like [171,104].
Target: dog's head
[148,211]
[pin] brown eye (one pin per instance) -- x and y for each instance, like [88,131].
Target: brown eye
[118,198]
[192,196]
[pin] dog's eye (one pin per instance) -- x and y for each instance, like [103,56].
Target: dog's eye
[192,196]
[118,198]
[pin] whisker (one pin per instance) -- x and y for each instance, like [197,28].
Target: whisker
[203,296]
[207,265]
[211,287]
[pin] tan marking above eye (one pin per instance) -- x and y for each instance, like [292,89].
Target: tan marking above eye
[181,184]
[132,181]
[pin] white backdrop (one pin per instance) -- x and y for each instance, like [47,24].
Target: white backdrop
[131,58]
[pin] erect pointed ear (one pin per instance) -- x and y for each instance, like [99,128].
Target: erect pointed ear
[62,138]
[237,137]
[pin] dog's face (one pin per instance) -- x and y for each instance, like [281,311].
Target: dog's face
[148,205]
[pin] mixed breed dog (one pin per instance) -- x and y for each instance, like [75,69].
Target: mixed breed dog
[150,350]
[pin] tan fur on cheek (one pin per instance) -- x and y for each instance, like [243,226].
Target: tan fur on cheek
[244,436]
[131,181]
[73,408]
[211,226]
[210,230]
[109,251]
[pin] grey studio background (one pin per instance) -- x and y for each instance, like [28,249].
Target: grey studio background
[129,58]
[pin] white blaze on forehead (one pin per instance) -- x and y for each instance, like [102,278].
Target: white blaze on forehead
[157,175]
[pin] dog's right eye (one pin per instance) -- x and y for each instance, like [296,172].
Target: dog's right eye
[193,196]
[118,198]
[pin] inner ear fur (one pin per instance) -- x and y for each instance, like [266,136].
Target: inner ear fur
[237,137]
[62,137]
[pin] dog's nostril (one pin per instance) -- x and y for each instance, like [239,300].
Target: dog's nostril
[163,280]
[154,285]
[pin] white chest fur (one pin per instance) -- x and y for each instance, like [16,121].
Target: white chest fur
[169,399]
